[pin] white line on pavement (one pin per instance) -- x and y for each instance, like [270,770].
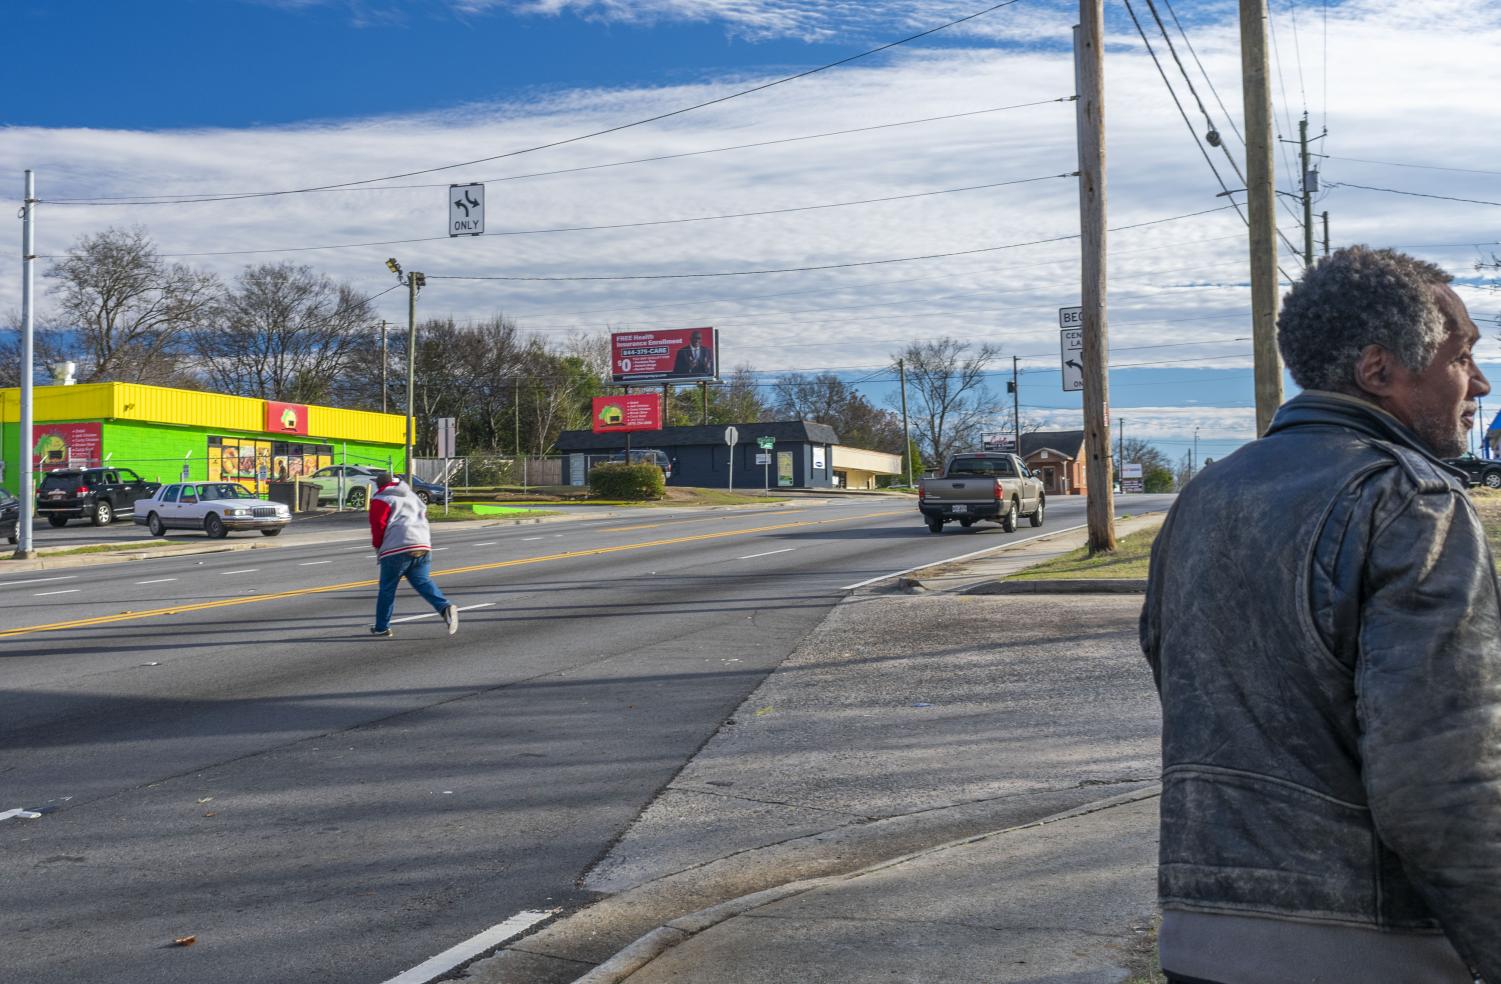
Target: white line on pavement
[465,608]
[37,580]
[487,543]
[248,570]
[437,549]
[160,580]
[30,815]
[314,563]
[531,538]
[767,553]
[43,594]
[472,947]
[950,560]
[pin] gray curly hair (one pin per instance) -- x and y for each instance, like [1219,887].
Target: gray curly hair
[1358,296]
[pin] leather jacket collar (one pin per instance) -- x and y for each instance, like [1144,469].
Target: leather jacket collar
[1324,408]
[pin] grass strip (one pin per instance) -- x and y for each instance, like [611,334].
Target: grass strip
[1129,559]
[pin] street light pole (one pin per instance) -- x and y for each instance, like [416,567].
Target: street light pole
[414,282]
[25,440]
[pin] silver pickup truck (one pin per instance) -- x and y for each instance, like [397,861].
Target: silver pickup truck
[982,485]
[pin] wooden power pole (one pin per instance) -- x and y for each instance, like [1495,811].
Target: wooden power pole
[1261,194]
[1089,81]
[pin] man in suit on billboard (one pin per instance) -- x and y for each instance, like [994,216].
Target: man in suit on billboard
[695,360]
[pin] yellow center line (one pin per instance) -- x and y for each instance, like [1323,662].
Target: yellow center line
[691,519]
[495,565]
[627,529]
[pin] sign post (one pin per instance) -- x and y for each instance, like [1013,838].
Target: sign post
[466,210]
[732,437]
[766,444]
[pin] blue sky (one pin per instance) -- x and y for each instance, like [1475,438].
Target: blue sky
[187,96]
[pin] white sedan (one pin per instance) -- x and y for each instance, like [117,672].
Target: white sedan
[217,508]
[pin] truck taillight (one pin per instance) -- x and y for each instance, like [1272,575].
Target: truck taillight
[922,493]
[82,490]
[1000,490]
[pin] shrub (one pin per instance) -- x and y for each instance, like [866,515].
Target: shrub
[618,480]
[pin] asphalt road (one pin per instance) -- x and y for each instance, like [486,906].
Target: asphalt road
[220,749]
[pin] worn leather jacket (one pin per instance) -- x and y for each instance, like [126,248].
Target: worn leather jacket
[1323,623]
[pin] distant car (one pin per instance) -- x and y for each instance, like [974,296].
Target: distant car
[10,517]
[1480,471]
[357,482]
[429,491]
[216,508]
[95,494]
[647,456]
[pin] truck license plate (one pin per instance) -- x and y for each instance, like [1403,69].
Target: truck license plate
[961,509]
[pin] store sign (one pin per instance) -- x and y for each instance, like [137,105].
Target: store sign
[632,412]
[686,355]
[784,468]
[285,418]
[818,458]
[55,446]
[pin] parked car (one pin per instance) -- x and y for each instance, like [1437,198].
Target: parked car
[429,491]
[1481,471]
[982,485]
[10,517]
[647,456]
[216,508]
[357,482]
[95,494]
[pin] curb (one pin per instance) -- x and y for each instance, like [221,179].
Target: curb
[646,948]
[1082,585]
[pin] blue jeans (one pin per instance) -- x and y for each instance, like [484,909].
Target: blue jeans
[414,569]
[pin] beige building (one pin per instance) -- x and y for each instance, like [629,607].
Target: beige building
[856,468]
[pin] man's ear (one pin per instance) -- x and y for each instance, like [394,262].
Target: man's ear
[1375,370]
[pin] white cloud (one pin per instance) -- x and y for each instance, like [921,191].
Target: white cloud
[1407,82]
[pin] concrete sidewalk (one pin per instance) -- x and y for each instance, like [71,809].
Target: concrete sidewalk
[1003,750]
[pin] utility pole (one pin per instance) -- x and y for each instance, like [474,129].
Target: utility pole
[1193,463]
[383,363]
[1089,83]
[901,374]
[1120,452]
[414,282]
[1262,200]
[1307,184]
[1016,405]
[25,440]
[1326,233]
[703,390]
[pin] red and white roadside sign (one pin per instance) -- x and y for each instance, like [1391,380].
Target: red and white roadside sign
[683,355]
[632,412]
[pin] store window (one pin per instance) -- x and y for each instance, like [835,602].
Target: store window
[255,463]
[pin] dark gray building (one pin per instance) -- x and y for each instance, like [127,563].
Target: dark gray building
[802,454]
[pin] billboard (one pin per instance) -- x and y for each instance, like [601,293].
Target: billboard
[55,446]
[684,355]
[632,412]
[997,442]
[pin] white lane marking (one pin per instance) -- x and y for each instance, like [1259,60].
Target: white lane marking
[472,947]
[160,580]
[767,553]
[487,543]
[248,570]
[23,814]
[437,549]
[950,560]
[531,538]
[464,608]
[37,580]
[314,563]
[43,594]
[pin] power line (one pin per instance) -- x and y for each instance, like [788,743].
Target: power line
[811,269]
[151,199]
[1415,194]
[608,130]
[1426,167]
[1229,117]
[623,225]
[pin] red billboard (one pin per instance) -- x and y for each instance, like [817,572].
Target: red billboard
[633,412]
[285,418]
[55,446]
[684,355]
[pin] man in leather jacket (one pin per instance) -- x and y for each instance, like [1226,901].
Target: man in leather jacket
[1323,623]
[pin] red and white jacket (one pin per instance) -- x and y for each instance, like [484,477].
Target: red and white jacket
[398,521]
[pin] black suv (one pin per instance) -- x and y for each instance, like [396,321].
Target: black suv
[647,456]
[1481,471]
[10,516]
[95,494]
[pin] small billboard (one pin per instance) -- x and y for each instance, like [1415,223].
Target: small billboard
[682,355]
[997,442]
[631,412]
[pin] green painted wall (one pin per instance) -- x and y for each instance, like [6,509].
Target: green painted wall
[157,452]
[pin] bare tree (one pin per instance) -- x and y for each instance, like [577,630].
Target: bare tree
[283,332]
[947,400]
[830,400]
[129,308]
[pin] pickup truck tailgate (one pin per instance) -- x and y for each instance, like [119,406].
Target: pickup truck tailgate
[947,491]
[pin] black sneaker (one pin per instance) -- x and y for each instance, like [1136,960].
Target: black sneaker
[451,616]
[381,633]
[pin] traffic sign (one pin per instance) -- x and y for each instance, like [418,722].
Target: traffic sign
[763,459]
[766,443]
[1071,355]
[1071,317]
[731,436]
[466,210]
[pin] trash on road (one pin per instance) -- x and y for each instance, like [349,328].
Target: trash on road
[762,712]
[185,941]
